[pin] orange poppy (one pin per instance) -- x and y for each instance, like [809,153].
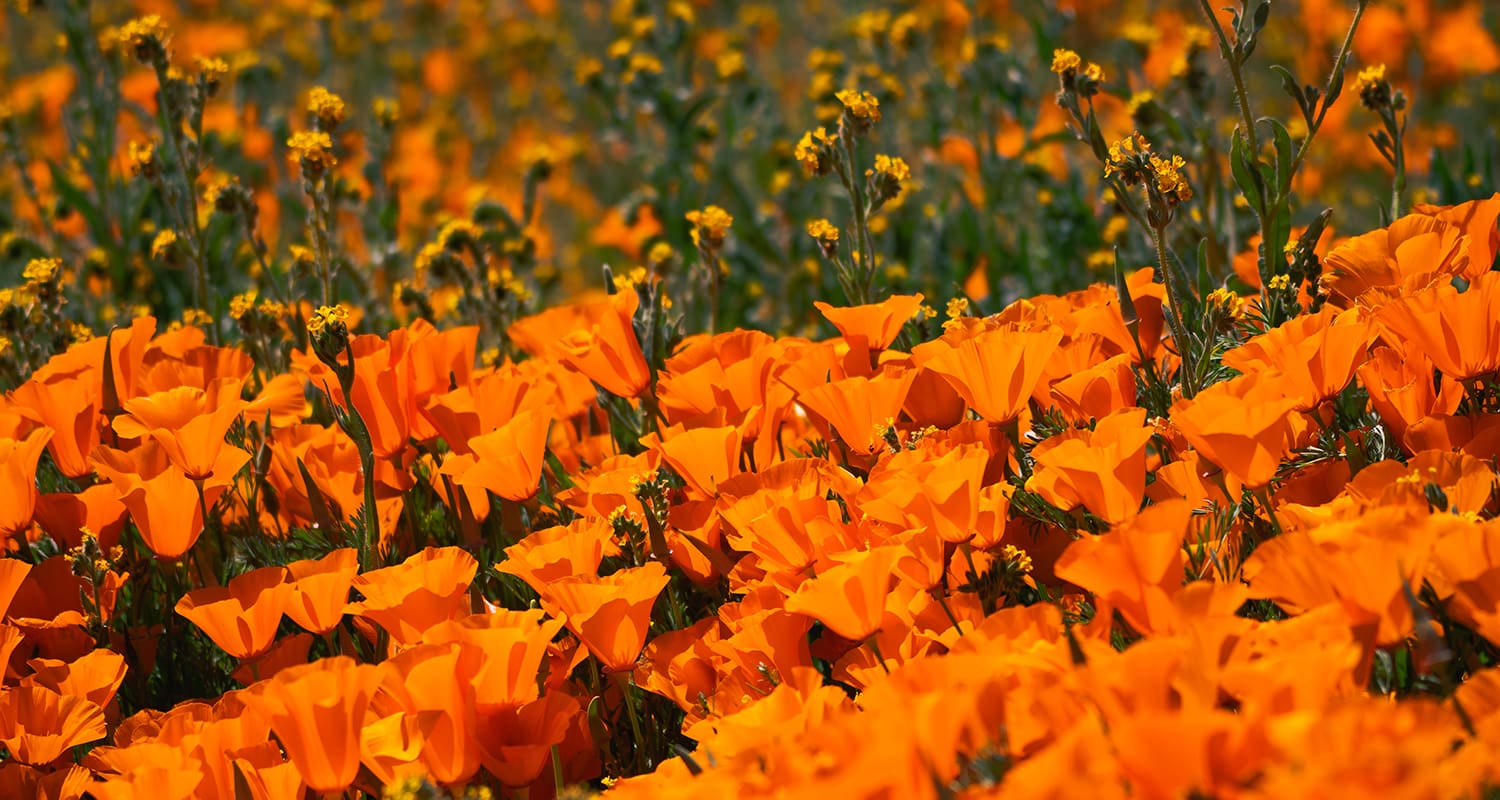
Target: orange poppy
[189,423]
[95,677]
[570,551]
[850,598]
[425,589]
[163,501]
[1135,568]
[610,615]
[875,324]
[996,371]
[70,409]
[506,461]
[860,409]
[1240,424]
[65,515]
[242,617]
[1104,469]
[703,457]
[18,461]
[320,589]
[516,745]
[1097,391]
[435,683]
[1458,331]
[1402,390]
[316,711]
[1315,354]
[607,351]
[37,725]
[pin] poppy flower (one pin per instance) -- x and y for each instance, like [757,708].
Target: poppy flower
[703,457]
[189,423]
[571,551]
[996,371]
[1476,219]
[516,745]
[70,409]
[1401,387]
[1104,469]
[410,597]
[320,589]
[1136,568]
[435,682]
[163,501]
[1315,355]
[316,711]
[242,617]
[1411,254]
[1097,391]
[65,515]
[96,676]
[607,351]
[1240,424]
[37,724]
[860,409]
[18,480]
[511,646]
[877,324]
[610,615]
[850,598]
[1458,331]
[506,461]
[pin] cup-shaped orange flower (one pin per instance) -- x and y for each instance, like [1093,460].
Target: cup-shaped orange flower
[425,589]
[435,683]
[96,676]
[1104,469]
[704,457]
[860,409]
[610,615]
[162,500]
[1316,354]
[1239,424]
[608,351]
[997,371]
[320,589]
[242,617]
[18,480]
[70,408]
[1459,331]
[508,460]
[37,724]
[316,711]
[878,324]
[850,598]
[189,423]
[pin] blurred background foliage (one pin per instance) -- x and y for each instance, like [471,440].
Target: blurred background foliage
[495,156]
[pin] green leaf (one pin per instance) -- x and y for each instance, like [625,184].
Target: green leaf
[1284,158]
[1242,165]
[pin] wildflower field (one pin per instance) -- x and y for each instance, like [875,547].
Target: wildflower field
[674,398]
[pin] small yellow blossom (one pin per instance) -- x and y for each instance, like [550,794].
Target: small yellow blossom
[313,151]
[710,225]
[327,107]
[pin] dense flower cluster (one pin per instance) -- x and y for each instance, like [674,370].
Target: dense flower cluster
[505,401]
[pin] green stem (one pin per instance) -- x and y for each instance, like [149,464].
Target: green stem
[1174,314]
[875,648]
[1243,97]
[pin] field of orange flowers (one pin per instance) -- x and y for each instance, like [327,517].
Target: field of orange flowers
[669,398]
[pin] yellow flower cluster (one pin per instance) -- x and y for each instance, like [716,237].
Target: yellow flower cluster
[710,225]
[313,151]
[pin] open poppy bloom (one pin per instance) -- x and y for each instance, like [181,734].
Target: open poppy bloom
[18,480]
[506,461]
[850,598]
[70,409]
[996,371]
[320,589]
[242,617]
[163,501]
[877,324]
[317,711]
[610,615]
[37,724]
[1459,331]
[860,409]
[416,594]
[1239,424]
[189,423]
[608,351]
